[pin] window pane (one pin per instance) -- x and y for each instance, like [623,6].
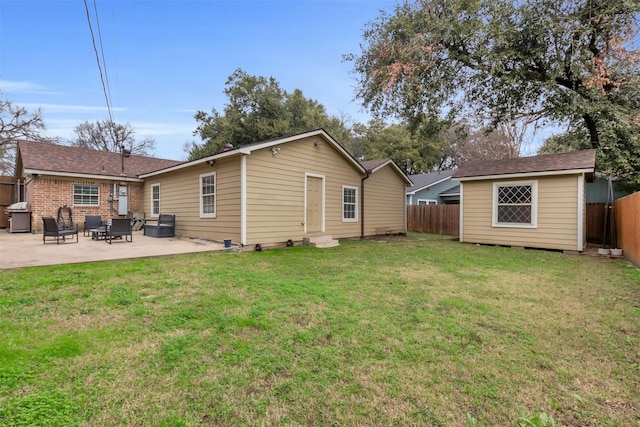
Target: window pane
[208,204]
[520,214]
[86,195]
[514,195]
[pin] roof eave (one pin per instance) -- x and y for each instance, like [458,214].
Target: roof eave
[82,175]
[261,146]
[404,176]
[428,185]
[524,174]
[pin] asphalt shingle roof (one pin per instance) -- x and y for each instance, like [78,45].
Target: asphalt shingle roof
[370,165]
[575,160]
[423,180]
[453,191]
[64,159]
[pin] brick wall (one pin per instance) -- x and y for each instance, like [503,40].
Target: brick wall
[47,194]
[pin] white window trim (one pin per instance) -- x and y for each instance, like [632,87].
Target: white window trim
[73,194]
[428,202]
[534,204]
[155,215]
[215,194]
[355,218]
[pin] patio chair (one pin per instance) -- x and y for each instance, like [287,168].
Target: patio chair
[91,222]
[119,228]
[51,229]
[166,227]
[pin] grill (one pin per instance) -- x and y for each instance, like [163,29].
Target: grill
[19,215]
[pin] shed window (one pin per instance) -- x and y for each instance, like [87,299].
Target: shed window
[208,195]
[425,202]
[88,195]
[349,204]
[155,200]
[515,204]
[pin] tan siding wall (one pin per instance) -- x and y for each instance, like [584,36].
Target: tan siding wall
[275,191]
[180,196]
[557,216]
[47,193]
[384,204]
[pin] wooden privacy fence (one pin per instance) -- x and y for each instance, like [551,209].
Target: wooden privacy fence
[595,223]
[7,187]
[627,213]
[434,219]
[445,219]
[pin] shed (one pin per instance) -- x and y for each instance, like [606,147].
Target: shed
[537,202]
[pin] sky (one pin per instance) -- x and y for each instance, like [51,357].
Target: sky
[164,60]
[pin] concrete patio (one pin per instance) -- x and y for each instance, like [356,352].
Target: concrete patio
[27,250]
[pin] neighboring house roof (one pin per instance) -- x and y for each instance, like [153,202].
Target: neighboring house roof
[321,135]
[372,166]
[452,192]
[52,159]
[546,164]
[426,180]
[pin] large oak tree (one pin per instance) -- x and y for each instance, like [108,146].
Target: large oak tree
[569,63]
[259,109]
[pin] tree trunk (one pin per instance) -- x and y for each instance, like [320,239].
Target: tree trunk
[590,123]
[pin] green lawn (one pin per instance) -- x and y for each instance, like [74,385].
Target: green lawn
[412,331]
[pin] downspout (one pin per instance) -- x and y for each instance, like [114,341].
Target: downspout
[362,203]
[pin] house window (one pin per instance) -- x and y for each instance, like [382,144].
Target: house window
[88,195]
[208,195]
[349,204]
[155,200]
[515,204]
[424,202]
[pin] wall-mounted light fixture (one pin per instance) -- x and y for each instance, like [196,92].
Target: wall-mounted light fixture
[211,162]
[275,150]
[318,142]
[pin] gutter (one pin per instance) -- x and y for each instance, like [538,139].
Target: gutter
[362,203]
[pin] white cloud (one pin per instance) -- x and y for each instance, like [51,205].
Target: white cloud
[162,128]
[10,86]
[62,108]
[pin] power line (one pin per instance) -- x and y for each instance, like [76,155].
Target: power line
[95,49]
[104,63]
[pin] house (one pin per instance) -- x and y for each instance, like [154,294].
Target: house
[537,202]
[91,182]
[597,191]
[290,188]
[433,188]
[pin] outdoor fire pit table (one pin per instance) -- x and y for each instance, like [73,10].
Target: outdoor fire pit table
[98,233]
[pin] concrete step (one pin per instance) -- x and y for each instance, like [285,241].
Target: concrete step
[321,241]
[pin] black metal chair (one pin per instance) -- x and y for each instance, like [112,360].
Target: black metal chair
[119,228]
[91,222]
[51,229]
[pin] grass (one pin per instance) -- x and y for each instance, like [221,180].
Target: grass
[412,331]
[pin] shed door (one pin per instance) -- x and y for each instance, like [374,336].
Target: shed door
[314,208]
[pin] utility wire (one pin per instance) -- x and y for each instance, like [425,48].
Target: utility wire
[104,62]
[95,49]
